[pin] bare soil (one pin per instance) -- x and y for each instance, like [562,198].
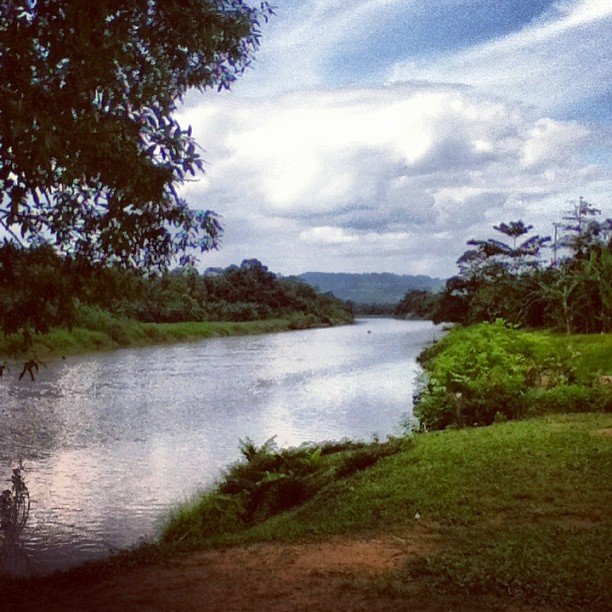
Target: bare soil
[335,573]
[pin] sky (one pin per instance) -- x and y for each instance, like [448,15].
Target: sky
[381,135]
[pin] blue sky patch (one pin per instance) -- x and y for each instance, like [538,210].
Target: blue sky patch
[427,29]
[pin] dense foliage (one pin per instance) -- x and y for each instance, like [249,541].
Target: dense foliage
[91,155]
[40,289]
[507,279]
[269,482]
[239,293]
[417,304]
[372,310]
[493,371]
[36,289]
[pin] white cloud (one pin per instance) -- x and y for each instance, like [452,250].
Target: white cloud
[548,141]
[390,178]
[398,177]
[326,235]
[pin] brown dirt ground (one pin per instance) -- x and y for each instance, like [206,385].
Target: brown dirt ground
[334,573]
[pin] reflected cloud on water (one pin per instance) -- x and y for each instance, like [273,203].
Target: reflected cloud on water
[111,442]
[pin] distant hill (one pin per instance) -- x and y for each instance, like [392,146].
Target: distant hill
[371,288]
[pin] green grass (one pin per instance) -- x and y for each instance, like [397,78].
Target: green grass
[97,330]
[514,514]
[590,354]
[521,509]
[526,468]
[492,371]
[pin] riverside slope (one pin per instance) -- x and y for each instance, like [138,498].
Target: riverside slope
[511,516]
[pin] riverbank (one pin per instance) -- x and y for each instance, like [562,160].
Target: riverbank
[495,372]
[98,330]
[508,516]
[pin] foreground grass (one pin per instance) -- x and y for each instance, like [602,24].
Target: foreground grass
[522,509]
[519,512]
[528,468]
[97,330]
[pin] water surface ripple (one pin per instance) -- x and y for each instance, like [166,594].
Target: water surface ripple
[111,441]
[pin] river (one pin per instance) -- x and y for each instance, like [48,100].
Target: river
[111,442]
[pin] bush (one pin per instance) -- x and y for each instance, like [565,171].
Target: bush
[362,459]
[473,374]
[271,481]
[570,398]
[492,371]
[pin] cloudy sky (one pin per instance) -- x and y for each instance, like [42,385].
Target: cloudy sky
[380,135]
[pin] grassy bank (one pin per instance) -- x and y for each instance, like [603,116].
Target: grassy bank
[98,330]
[517,514]
[492,371]
[518,510]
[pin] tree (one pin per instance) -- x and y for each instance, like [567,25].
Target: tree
[501,280]
[580,285]
[493,278]
[417,304]
[91,154]
[500,256]
[36,290]
[578,215]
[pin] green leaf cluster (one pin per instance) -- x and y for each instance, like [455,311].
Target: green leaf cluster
[494,371]
[91,154]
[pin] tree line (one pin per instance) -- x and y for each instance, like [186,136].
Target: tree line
[40,289]
[506,278]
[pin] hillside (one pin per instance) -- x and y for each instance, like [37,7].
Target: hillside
[370,288]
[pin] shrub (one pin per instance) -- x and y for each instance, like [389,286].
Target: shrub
[359,460]
[492,371]
[569,398]
[92,317]
[271,481]
[473,374]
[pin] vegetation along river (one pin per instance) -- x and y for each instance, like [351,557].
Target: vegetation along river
[110,442]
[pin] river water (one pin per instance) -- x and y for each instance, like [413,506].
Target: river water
[111,442]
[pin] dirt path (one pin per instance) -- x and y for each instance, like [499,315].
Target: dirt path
[337,573]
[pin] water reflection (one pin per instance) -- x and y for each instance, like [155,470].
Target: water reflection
[111,441]
[14,512]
